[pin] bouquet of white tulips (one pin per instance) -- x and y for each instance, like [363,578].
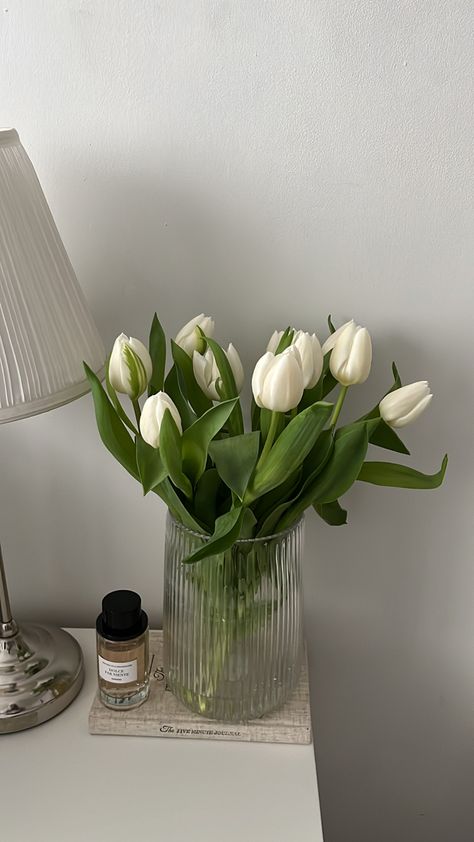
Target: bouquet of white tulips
[188,442]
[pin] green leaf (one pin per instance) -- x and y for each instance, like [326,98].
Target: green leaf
[396,379]
[169,496]
[206,497]
[226,388]
[285,340]
[270,524]
[150,466]
[196,397]
[170,451]
[400,476]
[371,425]
[172,387]
[265,504]
[116,402]
[157,348]
[331,327]
[343,467]
[339,473]
[318,455]
[226,532]
[290,449]
[111,429]
[255,415]
[197,437]
[384,436]
[332,513]
[235,459]
[304,477]
[247,529]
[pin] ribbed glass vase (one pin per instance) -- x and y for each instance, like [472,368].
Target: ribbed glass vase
[232,623]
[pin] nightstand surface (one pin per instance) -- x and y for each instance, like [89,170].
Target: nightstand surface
[60,783]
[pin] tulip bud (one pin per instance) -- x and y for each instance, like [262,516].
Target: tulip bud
[189,337]
[277,380]
[207,373]
[274,340]
[351,356]
[151,418]
[404,405]
[130,366]
[332,339]
[310,353]
[311,357]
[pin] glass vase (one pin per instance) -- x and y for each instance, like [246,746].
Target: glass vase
[232,623]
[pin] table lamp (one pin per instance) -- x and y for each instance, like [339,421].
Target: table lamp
[46,331]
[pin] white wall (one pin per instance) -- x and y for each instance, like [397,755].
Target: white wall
[270,162]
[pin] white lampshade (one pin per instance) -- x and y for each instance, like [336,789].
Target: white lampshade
[46,329]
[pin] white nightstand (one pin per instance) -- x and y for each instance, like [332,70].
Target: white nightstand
[60,783]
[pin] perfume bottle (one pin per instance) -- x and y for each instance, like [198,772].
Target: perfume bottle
[122,651]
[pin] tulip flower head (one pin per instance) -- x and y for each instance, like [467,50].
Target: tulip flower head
[332,339]
[277,380]
[130,366]
[311,357]
[310,353]
[151,418]
[207,372]
[189,337]
[404,405]
[274,340]
[351,355]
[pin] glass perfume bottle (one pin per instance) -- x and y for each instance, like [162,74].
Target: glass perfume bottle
[122,651]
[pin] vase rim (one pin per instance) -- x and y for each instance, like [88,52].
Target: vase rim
[204,537]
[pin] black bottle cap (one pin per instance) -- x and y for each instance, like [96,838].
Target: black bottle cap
[122,617]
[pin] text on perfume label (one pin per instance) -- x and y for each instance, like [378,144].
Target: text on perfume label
[118,673]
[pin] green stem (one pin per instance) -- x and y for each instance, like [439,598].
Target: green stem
[270,437]
[137,411]
[338,407]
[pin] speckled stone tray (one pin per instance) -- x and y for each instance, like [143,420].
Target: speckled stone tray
[162,715]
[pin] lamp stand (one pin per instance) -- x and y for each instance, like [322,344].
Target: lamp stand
[41,669]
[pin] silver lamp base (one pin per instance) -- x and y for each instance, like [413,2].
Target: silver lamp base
[41,672]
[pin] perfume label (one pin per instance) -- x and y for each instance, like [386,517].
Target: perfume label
[118,673]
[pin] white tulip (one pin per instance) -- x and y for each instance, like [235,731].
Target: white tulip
[189,338]
[404,405]
[332,339]
[351,356]
[310,352]
[274,340]
[277,380]
[207,372]
[151,418]
[130,366]
[311,357]
[236,366]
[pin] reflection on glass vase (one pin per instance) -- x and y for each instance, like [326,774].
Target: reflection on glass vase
[232,623]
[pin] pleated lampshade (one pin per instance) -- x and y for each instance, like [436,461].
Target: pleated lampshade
[46,329]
